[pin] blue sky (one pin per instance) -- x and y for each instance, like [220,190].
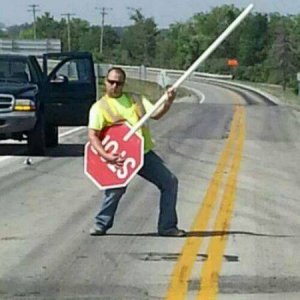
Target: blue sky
[164,12]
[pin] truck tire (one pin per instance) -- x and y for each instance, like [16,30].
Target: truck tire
[51,132]
[37,139]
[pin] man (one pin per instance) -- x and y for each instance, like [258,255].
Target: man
[114,107]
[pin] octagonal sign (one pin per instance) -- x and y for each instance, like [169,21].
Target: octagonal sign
[106,175]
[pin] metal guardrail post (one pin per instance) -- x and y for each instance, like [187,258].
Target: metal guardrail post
[143,73]
[298,79]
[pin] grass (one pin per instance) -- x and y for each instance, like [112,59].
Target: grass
[150,90]
[287,96]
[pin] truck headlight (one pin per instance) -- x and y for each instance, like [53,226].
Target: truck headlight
[24,105]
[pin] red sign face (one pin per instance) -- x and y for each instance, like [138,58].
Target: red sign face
[106,175]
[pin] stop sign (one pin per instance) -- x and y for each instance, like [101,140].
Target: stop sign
[106,175]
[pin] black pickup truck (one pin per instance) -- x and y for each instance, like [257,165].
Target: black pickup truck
[37,96]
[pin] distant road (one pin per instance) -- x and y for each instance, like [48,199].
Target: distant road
[237,161]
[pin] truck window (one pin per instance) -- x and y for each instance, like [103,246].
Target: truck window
[14,71]
[76,70]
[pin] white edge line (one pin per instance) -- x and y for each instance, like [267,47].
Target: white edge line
[202,97]
[71,131]
[196,91]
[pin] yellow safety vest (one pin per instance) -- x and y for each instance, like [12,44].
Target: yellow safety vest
[111,113]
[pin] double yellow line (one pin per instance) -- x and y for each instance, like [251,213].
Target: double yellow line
[230,158]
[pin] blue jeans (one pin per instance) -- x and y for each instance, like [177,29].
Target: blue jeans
[155,171]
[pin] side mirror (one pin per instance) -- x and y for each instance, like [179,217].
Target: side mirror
[59,79]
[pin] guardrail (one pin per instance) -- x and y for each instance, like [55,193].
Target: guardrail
[29,47]
[163,77]
[241,86]
[143,73]
[154,74]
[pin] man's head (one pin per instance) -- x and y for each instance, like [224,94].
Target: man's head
[114,82]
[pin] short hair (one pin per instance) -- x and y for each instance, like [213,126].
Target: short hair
[117,69]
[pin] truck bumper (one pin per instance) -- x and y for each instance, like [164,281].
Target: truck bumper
[16,122]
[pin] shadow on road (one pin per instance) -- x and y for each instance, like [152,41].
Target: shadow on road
[62,150]
[66,150]
[202,234]
[13,149]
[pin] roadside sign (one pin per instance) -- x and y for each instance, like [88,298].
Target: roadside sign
[106,175]
[232,63]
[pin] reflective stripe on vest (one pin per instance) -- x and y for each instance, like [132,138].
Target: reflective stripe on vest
[111,113]
[139,107]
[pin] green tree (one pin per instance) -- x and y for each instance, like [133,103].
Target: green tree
[90,41]
[165,50]
[251,47]
[47,27]
[139,40]
[26,33]
[216,22]
[195,36]
[283,58]
[3,32]
[78,28]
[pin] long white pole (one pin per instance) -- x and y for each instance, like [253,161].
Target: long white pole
[191,69]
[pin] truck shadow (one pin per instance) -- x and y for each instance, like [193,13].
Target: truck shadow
[66,150]
[62,150]
[12,149]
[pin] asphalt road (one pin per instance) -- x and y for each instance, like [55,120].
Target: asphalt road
[237,161]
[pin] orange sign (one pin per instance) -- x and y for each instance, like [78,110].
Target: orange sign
[232,62]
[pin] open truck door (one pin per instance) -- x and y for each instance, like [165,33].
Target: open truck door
[70,88]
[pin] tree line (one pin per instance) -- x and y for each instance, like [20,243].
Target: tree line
[266,46]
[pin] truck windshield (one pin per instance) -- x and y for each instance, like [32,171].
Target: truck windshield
[14,70]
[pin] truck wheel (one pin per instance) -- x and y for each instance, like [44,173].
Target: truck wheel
[37,139]
[51,135]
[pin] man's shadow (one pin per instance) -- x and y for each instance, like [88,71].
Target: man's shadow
[200,234]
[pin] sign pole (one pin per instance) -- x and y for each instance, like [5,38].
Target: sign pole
[191,69]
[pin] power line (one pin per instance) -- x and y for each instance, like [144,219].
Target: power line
[103,13]
[34,10]
[68,15]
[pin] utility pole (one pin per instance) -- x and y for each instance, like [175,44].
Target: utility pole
[103,12]
[34,10]
[68,15]
[298,79]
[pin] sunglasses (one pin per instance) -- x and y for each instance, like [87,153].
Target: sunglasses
[117,83]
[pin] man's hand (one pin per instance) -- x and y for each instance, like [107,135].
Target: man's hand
[114,159]
[171,94]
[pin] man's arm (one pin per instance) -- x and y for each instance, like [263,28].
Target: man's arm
[114,159]
[166,106]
